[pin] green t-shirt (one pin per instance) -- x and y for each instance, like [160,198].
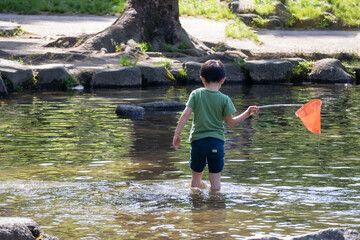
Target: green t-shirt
[209,108]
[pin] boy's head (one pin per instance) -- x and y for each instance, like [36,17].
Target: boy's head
[212,71]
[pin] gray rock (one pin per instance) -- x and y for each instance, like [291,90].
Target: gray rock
[193,71]
[3,89]
[294,61]
[304,23]
[129,111]
[268,71]
[15,72]
[163,106]
[117,77]
[155,75]
[248,17]
[9,28]
[234,73]
[327,234]
[281,11]
[51,76]
[13,228]
[330,70]
[356,70]
[274,22]
[330,234]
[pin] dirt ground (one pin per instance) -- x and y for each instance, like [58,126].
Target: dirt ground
[44,28]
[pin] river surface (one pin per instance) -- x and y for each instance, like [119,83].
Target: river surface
[71,164]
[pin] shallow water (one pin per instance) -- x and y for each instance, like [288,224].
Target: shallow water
[68,162]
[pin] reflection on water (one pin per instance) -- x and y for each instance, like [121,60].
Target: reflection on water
[71,164]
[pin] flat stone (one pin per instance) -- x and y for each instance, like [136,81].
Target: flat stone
[15,72]
[8,28]
[51,76]
[117,78]
[268,71]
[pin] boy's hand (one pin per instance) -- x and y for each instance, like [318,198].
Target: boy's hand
[252,110]
[176,142]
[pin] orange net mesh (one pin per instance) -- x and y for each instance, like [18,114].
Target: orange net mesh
[310,115]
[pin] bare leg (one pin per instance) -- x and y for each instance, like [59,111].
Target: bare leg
[215,182]
[196,179]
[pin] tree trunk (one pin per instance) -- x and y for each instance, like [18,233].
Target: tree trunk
[149,21]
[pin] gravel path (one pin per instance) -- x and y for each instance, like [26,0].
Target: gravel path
[274,41]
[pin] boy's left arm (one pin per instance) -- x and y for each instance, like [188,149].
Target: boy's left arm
[182,121]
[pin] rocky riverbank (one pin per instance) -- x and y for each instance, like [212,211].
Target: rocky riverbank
[25,62]
[81,71]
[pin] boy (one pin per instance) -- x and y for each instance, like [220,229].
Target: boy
[210,108]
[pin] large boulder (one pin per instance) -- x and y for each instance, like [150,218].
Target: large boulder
[15,72]
[327,234]
[51,76]
[269,71]
[3,89]
[234,73]
[155,75]
[13,228]
[117,78]
[330,70]
[193,71]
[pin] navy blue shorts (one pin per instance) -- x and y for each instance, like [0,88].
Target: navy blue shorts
[207,151]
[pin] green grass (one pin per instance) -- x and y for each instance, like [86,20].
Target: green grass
[354,63]
[100,7]
[127,61]
[264,7]
[308,8]
[239,30]
[211,9]
[348,10]
[214,9]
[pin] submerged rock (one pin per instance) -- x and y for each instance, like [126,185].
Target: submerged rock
[133,111]
[163,106]
[129,111]
[327,234]
[16,228]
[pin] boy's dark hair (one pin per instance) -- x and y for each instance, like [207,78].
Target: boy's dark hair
[212,71]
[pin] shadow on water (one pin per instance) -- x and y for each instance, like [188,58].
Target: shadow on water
[71,164]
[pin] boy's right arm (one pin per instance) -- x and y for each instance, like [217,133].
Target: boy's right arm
[182,121]
[232,121]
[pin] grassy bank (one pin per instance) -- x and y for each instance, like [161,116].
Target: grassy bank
[347,10]
[100,7]
[215,10]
